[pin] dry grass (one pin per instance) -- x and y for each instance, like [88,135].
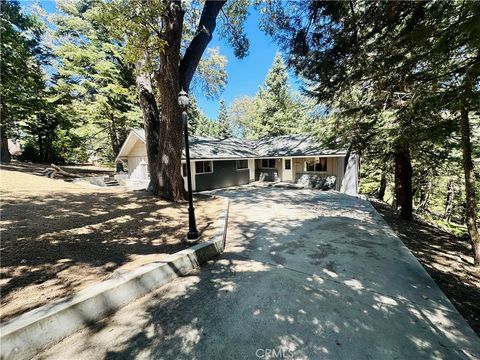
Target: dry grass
[58,237]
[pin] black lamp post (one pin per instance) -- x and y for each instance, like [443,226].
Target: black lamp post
[183,101]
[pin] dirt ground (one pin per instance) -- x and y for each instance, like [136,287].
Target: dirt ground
[58,237]
[81,170]
[447,258]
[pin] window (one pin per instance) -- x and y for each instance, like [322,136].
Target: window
[316,165]
[288,164]
[203,167]
[184,169]
[242,164]
[268,163]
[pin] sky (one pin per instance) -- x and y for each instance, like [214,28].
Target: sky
[247,74]
[244,75]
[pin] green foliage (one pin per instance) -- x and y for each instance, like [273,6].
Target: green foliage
[22,82]
[224,128]
[92,69]
[392,75]
[276,109]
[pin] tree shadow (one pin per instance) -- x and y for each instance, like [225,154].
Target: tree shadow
[55,244]
[321,286]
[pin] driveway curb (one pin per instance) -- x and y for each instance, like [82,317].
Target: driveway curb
[27,334]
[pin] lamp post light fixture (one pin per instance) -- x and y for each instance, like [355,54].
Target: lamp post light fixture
[184,101]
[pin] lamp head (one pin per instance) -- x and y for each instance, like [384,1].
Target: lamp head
[183,99]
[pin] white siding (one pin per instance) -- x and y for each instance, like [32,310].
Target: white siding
[138,168]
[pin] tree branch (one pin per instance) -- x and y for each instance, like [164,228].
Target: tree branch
[195,50]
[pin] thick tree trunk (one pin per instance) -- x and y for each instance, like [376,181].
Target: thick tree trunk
[470,196]
[173,75]
[383,186]
[151,119]
[403,182]
[5,154]
[170,181]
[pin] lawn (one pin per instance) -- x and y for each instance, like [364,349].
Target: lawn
[59,237]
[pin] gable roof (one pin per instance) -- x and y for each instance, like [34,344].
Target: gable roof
[232,148]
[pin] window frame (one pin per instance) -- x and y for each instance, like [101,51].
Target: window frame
[241,168]
[203,166]
[289,164]
[269,161]
[315,161]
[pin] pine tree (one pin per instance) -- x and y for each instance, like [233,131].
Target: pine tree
[224,128]
[22,82]
[416,61]
[91,66]
[272,116]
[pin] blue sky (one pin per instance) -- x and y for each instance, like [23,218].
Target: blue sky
[244,75]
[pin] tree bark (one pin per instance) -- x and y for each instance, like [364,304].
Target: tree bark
[151,119]
[470,196]
[173,75]
[112,131]
[447,214]
[383,186]
[403,182]
[5,154]
[169,158]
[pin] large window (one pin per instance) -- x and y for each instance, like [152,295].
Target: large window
[288,164]
[203,167]
[316,165]
[242,164]
[268,163]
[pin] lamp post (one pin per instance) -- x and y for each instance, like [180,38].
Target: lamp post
[183,101]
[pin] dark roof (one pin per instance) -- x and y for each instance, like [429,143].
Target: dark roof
[292,145]
[232,148]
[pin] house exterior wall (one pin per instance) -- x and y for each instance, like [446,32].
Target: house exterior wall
[137,167]
[271,174]
[335,166]
[251,169]
[224,174]
[137,162]
[349,184]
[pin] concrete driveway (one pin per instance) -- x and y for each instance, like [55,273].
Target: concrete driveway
[306,275]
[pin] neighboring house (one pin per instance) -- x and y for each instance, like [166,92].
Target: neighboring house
[218,163]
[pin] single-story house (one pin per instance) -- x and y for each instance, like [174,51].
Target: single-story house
[219,163]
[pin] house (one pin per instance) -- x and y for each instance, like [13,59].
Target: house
[219,163]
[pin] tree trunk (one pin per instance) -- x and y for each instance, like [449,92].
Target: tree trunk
[173,75]
[112,131]
[383,186]
[447,215]
[170,182]
[471,200]
[151,119]
[403,182]
[424,196]
[5,154]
